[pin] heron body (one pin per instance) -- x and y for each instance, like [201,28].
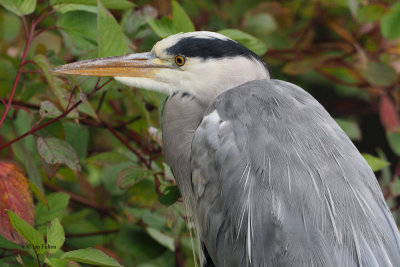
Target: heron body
[267,175]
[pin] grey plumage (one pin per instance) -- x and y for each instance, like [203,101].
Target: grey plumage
[276,182]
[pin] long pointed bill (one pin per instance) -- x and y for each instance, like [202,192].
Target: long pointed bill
[134,65]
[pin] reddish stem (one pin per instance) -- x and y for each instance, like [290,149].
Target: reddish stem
[126,143]
[14,88]
[65,113]
[45,30]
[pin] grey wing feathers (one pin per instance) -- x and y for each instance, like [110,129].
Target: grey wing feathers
[278,183]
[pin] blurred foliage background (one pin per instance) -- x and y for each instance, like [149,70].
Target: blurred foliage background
[81,158]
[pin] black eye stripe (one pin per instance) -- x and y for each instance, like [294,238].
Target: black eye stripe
[207,48]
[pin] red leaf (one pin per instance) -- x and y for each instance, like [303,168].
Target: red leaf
[388,114]
[16,196]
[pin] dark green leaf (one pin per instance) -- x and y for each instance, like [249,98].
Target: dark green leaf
[78,137]
[394,141]
[48,110]
[110,38]
[375,163]
[81,26]
[31,235]
[4,243]
[12,27]
[54,262]
[57,151]
[260,24]
[55,236]
[395,187]
[161,238]
[180,19]
[154,220]
[57,202]
[143,193]
[379,73]
[132,175]
[350,128]
[163,27]
[110,4]
[371,13]
[19,7]
[353,6]
[107,158]
[390,23]
[251,42]
[91,256]
[170,195]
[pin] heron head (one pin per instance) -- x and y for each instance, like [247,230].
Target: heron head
[200,63]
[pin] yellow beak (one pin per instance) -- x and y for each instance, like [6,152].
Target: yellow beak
[134,65]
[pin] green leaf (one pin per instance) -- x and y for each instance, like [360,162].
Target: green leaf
[161,238]
[48,110]
[260,24]
[180,19]
[251,42]
[55,236]
[110,38]
[107,158]
[132,175]
[57,203]
[54,262]
[170,195]
[78,137]
[4,243]
[19,7]
[353,6]
[110,4]
[394,141]
[154,220]
[379,73]
[395,187]
[12,27]
[390,23]
[163,27]
[90,256]
[30,234]
[371,13]
[81,26]
[57,151]
[350,128]
[43,63]
[375,163]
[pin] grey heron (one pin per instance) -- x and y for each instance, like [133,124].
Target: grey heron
[267,175]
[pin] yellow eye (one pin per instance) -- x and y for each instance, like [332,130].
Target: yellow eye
[179,60]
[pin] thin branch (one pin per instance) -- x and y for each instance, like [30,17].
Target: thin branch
[22,103]
[39,19]
[25,27]
[37,257]
[31,71]
[43,11]
[45,30]
[65,113]
[126,143]
[101,101]
[79,199]
[336,80]
[14,88]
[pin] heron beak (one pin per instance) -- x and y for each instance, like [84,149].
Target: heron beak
[144,65]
